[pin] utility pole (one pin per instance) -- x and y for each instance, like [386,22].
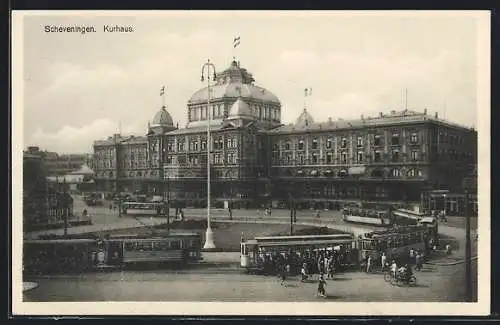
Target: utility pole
[65,205]
[468,273]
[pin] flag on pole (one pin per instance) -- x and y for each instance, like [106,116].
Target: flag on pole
[162,91]
[308,92]
[236,41]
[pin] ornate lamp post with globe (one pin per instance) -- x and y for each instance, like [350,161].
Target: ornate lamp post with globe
[210,69]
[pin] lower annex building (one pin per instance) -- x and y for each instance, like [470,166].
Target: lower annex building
[256,160]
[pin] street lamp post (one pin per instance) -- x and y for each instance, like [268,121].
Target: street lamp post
[468,272]
[209,67]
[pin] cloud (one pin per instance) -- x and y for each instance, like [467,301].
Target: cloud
[71,139]
[77,89]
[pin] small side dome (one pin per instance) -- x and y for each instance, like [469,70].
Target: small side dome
[240,108]
[162,118]
[305,119]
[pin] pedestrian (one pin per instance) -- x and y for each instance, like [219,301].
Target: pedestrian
[412,255]
[230,213]
[368,264]
[317,214]
[383,261]
[283,276]
[321,287]
[418,261]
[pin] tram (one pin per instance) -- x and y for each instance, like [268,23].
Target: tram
[141,209]
[395,242]
[255,253]
[376,215]
[83,255]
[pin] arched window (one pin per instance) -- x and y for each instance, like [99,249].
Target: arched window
[414,173]
[395,172]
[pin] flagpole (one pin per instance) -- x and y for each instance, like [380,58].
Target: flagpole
[162,95]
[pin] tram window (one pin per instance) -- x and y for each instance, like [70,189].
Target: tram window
[129,246]
[162,246]
[175,244]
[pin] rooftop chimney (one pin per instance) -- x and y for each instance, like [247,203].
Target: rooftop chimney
[329,120]
[425,111]
[437,115]
[380,114]
[362,117]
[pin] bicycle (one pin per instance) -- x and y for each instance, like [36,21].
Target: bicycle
[399,281]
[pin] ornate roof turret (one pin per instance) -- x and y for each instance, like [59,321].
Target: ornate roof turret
[162,118]
[304,119]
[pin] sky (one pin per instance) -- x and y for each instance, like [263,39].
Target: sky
[80,88]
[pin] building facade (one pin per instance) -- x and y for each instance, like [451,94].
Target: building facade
[256,160]
[45,204]
[59,164]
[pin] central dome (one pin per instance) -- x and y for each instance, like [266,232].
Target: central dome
[234,82]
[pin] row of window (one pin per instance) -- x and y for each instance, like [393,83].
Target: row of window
[219,111]
[216,158]
[217,144]
[393,241]
[343,158]
[153,246]
[343,143]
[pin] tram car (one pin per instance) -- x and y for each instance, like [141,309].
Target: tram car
[58,255]
[373,217]
[396,242]
[84,255]
[258,253]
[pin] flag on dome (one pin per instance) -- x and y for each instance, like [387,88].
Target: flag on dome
[308,91]
[162,91]
[236,41]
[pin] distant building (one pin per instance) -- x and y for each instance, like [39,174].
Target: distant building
[256,160]
[59,164]
[44,204]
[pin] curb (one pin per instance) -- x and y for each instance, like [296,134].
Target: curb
[450,263]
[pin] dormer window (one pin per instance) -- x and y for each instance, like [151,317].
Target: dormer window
[343,143]
[301,144]
[315,143]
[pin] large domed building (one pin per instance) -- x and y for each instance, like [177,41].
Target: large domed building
[234,85]
[256,160]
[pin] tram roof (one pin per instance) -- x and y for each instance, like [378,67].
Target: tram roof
[303,237]
[302,243]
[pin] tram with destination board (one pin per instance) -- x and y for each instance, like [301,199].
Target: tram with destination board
[142,209]
[395,242]
[382,215]
[82,255]
[255,253]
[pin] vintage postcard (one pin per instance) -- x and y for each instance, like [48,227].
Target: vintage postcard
[251,163]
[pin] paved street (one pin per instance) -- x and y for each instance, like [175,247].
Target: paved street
[228,283]
[219,277]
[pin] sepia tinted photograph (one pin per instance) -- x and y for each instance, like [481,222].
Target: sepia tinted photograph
[326,159]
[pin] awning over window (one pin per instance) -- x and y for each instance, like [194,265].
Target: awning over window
[358,170]
[300,172]
[314,172]
[328,172]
